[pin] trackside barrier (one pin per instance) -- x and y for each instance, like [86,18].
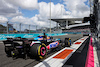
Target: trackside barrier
[59,58]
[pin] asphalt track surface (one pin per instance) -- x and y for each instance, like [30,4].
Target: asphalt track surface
[30,62]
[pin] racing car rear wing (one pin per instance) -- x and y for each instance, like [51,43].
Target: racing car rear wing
[18,40]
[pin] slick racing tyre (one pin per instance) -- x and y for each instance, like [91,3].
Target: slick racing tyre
[67,42]
[14,54]
[38,51]
[8,51]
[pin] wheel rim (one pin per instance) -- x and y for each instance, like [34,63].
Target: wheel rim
[43,51]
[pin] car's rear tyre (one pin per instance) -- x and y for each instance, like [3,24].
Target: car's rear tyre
[8,51]
[38,50]
[67,42]
[14,54]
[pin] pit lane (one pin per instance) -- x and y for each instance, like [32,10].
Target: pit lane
[20,62]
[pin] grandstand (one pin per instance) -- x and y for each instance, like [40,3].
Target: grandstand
[81,29]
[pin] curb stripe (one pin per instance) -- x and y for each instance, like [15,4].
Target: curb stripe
[63,54]
[77,42]
[82,39]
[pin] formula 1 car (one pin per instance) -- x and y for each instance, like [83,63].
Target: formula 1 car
[38,47]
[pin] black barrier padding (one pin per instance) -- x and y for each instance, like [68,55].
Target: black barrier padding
[79,50]
[79,59]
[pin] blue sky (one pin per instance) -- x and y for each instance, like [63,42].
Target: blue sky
[54,1]
[31,13]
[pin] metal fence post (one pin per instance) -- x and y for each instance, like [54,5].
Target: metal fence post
[36,28]
[7,28]
[20,27]
[29,29]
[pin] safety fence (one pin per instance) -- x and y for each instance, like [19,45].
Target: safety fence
[11,28]
[16,28]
